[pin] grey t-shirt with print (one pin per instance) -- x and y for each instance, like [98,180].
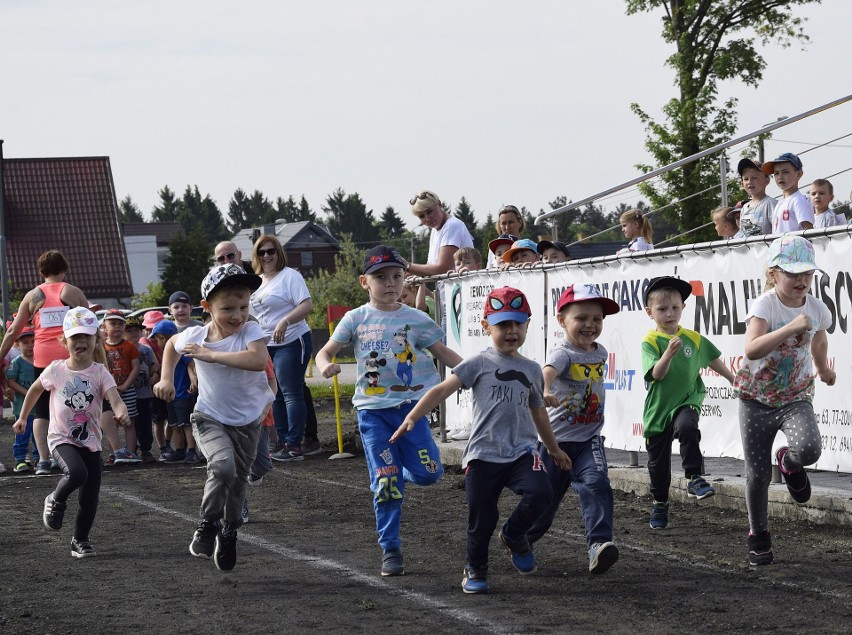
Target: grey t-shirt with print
[579,387]
[503,388]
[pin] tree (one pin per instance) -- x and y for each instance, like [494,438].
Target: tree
[153,295]
[464,212]
[201,215]
[391,224]
[305,213]
[715,40]
[347,214]
[339,287]
[128,211]
[187,264]
[168,209]
[286,209]
[249,211]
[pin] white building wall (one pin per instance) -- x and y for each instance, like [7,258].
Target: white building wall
[142,258]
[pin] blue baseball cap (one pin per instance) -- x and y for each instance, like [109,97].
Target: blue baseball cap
[787,157]
[164,327]
[518,245]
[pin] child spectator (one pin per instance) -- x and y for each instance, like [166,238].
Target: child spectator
[785,339]
[409,294]
[508,409]
[179,408]
[574,391]
[123,362]
[385,332]
[78,386]
[725,221]
[20,375]
[553,251]
[262,461]
[149,368]
[180,308]
[672,359]
[794,211]
[756,215]
[523,253]
[499,246]
[822,193]
[637,229]
[467,259]
[233,397]
[159,410]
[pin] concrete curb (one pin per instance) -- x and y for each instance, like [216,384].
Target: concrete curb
[827,505]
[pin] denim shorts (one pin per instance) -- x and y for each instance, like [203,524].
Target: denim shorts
[180,411]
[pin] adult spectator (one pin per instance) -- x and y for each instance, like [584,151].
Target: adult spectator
[509,222]
[281,304]
[45,306]
[226,253]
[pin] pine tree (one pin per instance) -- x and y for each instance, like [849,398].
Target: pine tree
[347,214]
[128,211]
[168,209]
[391,224]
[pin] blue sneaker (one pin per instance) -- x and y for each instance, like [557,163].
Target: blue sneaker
[602,556]
[125,456]
[523,558]
[699,488]
[659,515]
[392,563]
[474,581]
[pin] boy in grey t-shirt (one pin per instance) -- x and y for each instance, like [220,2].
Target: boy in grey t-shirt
[508,411]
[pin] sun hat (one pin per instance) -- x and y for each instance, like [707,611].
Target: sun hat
[230,275]
[380,257]
[518,245]
[585,293]
[78,321]
[151,318]
[792,254]
[668,282]
[504,304]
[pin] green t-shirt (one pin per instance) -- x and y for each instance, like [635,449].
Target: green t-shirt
[682,385]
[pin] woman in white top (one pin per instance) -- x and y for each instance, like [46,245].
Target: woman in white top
[281,304]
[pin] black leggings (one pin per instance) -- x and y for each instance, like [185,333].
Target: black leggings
[81,469]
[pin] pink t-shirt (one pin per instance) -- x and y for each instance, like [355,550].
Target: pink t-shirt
[76,403]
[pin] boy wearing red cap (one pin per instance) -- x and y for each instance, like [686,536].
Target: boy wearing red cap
[574,391]
[508,411]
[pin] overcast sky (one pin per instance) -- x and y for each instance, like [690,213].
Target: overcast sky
[501,102]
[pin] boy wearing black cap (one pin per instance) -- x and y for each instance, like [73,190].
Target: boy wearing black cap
[794,211]
[394,372]
[233,396]
[756,214]
[553,251]
[672,359]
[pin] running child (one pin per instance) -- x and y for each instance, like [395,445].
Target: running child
[637,230]
[785,339]
[574,391]
[233,396]
[20,375]
[77,385]
[394,372]
[672,359]
[508,410]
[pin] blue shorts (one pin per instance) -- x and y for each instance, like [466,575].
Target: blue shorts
[179,411]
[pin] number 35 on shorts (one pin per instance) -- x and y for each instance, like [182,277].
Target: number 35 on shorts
[387,489]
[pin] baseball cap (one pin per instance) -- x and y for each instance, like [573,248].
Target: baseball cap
[79,321]
[133,320]
[668,282]
[553,244]
[793,254]
[746,163]
[179,296]
[518,245]
[28,330]
[787,157]
[114,314]
[164,327]
[502,239]
[506,304]
[381,257]
[586,293]
[151,318]
[230,275]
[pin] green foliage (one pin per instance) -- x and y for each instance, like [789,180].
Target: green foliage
[187,264]
[202,215]
[714,40]
[391,225]
[167,210]
[340,287]
[249,211]
[129,212]
[153,295]
[347,214]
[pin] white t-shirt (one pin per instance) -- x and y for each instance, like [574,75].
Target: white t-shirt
[637,244]
[453,233]
[791,212]
[275,299]
[231,396]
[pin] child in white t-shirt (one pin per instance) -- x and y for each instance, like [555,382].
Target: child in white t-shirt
[794,211]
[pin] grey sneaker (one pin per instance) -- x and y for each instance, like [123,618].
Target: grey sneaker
[311,447]
[392,563]
[288,453]
[42,468]
[54,512]
[602,556]
[82,548]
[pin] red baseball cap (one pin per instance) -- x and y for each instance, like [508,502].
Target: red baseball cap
[585,293]
[506,304]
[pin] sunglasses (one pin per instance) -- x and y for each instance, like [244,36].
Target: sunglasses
[224,257]
[424,195]
[509,208]
[266,252]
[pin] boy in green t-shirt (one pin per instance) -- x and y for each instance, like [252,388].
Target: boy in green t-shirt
[672,359]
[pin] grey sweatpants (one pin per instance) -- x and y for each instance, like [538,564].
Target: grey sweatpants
[758,426]
[230,451]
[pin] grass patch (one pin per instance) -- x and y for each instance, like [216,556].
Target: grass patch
[326,391]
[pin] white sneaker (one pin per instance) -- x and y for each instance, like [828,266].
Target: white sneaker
[459,435]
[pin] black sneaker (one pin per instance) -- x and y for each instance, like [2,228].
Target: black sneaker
[225,556]
[54,512]
[759,549]
[204,539]
[659,515]
[82,548]
[798,483]
[392,563]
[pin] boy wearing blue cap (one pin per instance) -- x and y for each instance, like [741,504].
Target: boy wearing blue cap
[794,211]
[523,253]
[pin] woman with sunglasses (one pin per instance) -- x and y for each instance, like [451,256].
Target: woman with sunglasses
[281,304]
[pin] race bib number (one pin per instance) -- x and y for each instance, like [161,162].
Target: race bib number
[52,316]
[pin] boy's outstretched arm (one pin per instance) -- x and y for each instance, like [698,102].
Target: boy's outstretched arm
[719,366]
[549,373]
[326,367]
[432,398]
[445,354]
[253,358]
[819,351]
[542,425]
[165,388]
[34,392]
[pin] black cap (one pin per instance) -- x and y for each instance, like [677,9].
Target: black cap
[179,296]
[553,244]
[744,164]
[668,282]
[381,257]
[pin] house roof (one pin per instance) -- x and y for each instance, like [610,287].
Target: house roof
[164,232]
[67,204]
[299,235]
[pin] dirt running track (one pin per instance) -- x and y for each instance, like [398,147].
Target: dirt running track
[308,562]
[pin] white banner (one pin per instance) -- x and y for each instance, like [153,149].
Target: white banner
[726,279]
